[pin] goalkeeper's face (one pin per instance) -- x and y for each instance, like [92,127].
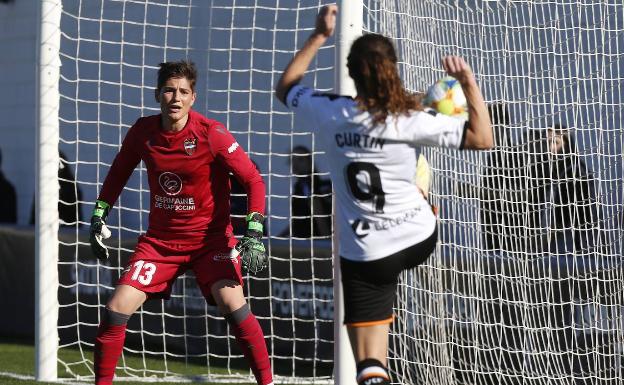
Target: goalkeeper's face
[176,97]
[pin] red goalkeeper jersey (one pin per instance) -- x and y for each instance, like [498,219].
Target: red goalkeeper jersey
[188,174]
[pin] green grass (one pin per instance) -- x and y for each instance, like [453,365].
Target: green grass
[18,358]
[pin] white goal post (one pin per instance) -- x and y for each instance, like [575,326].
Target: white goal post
[526,284]
[47,191]
[349,27]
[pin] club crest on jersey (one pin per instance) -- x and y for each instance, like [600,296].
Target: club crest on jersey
[170,183]
[190,145]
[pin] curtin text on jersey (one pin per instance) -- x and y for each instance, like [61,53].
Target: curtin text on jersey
[351,139]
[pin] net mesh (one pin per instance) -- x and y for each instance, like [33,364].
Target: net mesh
[110,51]
[526,283]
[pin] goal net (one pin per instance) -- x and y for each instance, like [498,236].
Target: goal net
[110,51]
[526,283]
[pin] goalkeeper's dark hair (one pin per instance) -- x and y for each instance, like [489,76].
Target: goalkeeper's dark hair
[372,64]
[176,69]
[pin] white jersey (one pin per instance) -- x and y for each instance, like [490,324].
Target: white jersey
[379,211]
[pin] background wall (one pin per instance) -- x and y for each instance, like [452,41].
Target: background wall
[18,35]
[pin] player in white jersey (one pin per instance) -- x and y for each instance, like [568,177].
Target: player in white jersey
[385,225]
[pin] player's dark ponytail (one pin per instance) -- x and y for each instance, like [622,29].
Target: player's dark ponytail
[372,64]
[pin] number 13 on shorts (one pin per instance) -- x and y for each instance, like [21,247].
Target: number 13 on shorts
[143,272]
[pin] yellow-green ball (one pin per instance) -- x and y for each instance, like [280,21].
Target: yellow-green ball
[445,106]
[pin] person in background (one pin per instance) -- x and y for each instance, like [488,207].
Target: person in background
[311,205]
[565,215]
[564,194]
[8,199]
[496,191]
[70,196]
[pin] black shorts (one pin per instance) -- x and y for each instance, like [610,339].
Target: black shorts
[369,288]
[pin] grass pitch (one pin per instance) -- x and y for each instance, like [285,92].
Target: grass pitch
[17,367]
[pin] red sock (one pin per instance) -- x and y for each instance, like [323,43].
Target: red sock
[251,340]
[108,345]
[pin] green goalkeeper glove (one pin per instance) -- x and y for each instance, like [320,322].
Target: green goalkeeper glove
[99,231]
[251,249]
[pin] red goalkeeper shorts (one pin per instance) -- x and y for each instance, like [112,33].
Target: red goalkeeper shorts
[155,265]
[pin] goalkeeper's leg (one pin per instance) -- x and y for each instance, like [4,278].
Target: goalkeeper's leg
[112,331]
[230,299]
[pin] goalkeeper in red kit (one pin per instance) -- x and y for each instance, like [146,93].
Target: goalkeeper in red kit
[188,159]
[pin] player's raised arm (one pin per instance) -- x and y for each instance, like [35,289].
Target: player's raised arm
[479,128]
[325,26]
